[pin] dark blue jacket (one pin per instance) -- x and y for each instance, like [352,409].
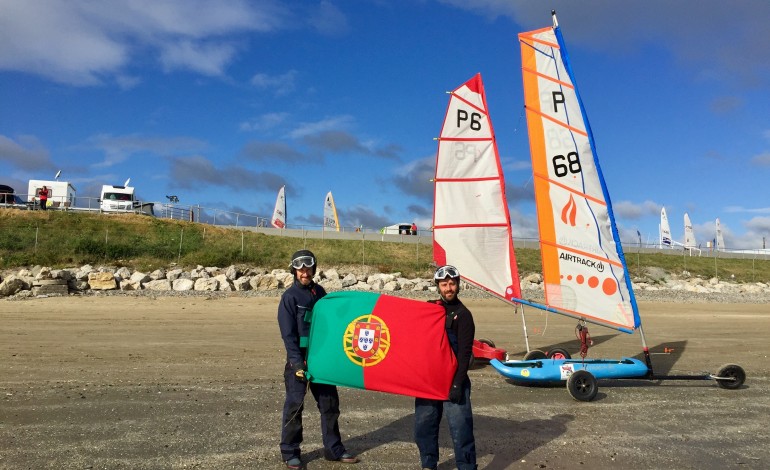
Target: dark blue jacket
[296,301]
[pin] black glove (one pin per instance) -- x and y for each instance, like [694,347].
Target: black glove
[455,394]
[299,374]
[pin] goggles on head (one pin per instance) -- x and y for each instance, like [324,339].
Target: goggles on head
[303,261]
[446,271]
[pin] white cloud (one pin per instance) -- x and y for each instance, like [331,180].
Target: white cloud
[81,42]
[333,123]
[279,84]
[119,148]
[27,153]
[265,122]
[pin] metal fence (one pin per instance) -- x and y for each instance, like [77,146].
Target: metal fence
[261,224]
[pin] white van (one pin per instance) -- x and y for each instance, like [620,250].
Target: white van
[117,198]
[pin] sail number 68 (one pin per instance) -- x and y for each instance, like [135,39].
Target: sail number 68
[562,165]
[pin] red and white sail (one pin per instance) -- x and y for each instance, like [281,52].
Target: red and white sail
[471,222]
[584,270]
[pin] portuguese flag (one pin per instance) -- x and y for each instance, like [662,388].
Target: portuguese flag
[380,342]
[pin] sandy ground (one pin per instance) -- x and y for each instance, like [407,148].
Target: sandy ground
[136,382]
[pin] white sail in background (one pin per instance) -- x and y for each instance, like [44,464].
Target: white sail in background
[720,242]
[471,222]
[279,214]
[584,269]
[665,229]
[331,222]
[689,234]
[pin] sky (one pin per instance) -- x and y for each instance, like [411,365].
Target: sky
[221,103]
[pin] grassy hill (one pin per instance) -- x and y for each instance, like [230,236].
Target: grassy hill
[67,239]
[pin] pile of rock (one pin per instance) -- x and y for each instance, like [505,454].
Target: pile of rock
[655,285]
[39,280]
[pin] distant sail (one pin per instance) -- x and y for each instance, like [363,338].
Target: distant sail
[471,222]
[720,238]
[584,269]
[689,234]
[331,222]
[665,229]
[279,214]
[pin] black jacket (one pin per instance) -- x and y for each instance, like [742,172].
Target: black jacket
[460,324]
[295,302]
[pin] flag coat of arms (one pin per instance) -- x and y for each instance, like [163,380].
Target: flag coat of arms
[379,342]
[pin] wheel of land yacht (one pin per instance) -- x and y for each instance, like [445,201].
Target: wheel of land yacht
[488,342]
[730,376]
[534,355]
[582,385]
[559,353]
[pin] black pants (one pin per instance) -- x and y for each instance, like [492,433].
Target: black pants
[328,405]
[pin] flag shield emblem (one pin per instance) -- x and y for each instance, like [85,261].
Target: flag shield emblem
[366,339]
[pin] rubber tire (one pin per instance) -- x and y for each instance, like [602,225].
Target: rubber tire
[488,342]
[734,371]
[535,355]
[582,385]
[559,353]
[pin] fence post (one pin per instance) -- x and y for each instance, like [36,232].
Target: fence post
[181,237]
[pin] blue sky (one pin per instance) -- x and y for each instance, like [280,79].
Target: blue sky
[223,102]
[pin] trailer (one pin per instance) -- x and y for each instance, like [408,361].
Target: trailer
[60,193]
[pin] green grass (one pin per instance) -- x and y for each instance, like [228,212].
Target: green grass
[69,239]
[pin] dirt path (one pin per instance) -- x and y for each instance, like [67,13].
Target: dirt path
[132,382]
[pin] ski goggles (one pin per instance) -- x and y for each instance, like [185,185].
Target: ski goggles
[446,271]
[303,261]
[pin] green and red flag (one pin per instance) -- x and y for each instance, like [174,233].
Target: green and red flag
[379,342]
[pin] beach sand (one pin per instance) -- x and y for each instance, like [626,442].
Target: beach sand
[123,382]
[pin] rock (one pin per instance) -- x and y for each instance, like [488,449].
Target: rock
[225,284]
[102,281]
[206,284]
[12,285]
[158,284]
[182,285]
[242,283]
[140,277]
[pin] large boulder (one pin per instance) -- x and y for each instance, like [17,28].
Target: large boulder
[102,281]
[12,285]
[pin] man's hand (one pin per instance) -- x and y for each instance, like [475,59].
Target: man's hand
[299,374]
[455,394]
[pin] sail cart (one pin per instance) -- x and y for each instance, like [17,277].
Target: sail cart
[584,269]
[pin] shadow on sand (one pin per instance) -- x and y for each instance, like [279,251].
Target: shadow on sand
[511,440]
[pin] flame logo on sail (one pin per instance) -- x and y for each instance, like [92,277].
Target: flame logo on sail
[569,212]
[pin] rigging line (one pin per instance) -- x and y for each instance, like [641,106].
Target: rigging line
[548,77]
[556,121]
[567,188]
[481,110]
[462,180]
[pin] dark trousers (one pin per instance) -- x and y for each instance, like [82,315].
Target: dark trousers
[427,418]
[328,405]
[43,204]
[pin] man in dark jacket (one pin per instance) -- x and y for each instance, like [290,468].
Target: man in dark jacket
[460,330]
[296,301]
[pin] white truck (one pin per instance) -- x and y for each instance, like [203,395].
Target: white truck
[60,193]
[122,199]
[117,198]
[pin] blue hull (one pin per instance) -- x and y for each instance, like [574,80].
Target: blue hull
[558,370]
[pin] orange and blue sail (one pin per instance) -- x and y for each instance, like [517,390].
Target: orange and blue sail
[584,269]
